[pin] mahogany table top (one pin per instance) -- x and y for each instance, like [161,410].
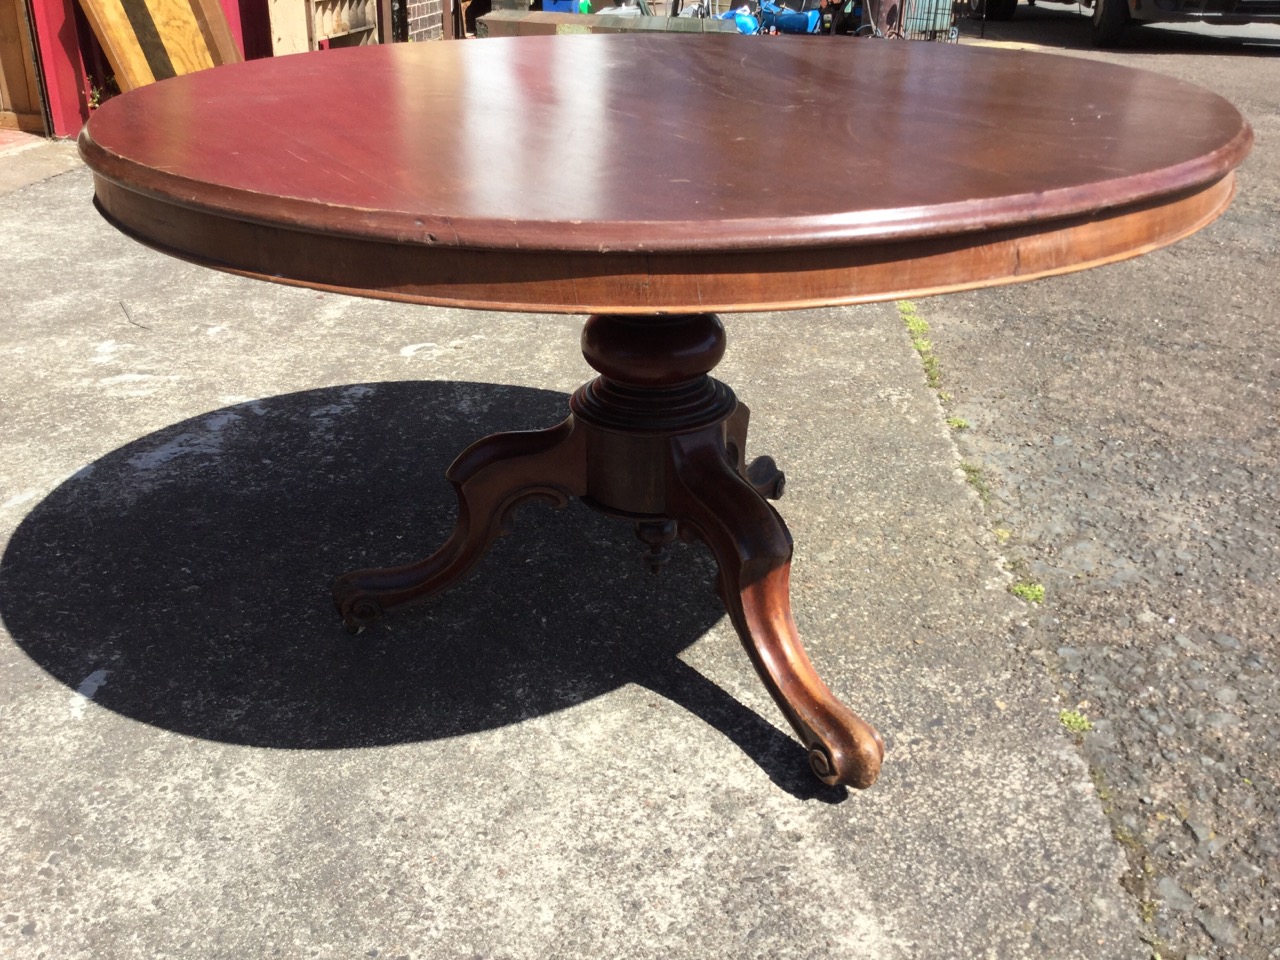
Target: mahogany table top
[643,173]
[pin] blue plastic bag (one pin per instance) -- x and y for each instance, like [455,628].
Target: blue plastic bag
[742,19]
[789,21]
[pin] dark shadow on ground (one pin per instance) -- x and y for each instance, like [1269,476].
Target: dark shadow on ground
[1068,28]
[194,565]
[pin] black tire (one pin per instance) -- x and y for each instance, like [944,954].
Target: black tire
[1110,21]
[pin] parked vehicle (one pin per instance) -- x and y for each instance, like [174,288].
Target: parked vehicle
[1113,18]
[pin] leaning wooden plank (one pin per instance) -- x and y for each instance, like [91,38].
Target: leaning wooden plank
[132,44]
[149,40]
[180,33]
[217,32]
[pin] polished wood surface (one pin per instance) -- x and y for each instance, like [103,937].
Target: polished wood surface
[656,441]
[654,173]
[650,181]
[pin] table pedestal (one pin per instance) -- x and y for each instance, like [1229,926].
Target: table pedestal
[656,441]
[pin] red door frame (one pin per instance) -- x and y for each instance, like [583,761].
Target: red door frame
[62,67]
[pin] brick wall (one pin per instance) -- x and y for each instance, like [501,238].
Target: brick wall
[426,20]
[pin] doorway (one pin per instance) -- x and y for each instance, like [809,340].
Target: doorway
[20,106]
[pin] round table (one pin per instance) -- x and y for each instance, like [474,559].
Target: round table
[653,182]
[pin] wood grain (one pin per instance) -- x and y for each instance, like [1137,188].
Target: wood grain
[635,177]
[150,40]
[570,282]
[19,91]
[656,441]
[531,176]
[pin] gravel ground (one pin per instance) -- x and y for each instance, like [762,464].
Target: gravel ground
[1124,421]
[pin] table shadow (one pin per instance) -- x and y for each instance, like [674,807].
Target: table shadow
[193,565]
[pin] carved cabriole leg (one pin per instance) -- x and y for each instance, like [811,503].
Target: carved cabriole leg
[657,441]
[491,477]
[715,504]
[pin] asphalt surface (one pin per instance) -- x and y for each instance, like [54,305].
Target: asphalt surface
[1125,422]
[198,763]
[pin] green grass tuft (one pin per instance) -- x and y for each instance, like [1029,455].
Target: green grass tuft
[1030,592]
[974,476]
[1075,721]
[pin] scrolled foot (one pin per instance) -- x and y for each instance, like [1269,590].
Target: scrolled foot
[820,763]
[357,610]
[855,762]
[716,504]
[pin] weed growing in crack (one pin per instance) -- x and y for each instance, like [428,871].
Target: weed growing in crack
[1075,721]
[917,327]
[1028,591]
[974,476]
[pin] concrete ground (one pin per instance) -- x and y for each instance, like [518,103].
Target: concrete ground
[564,757]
